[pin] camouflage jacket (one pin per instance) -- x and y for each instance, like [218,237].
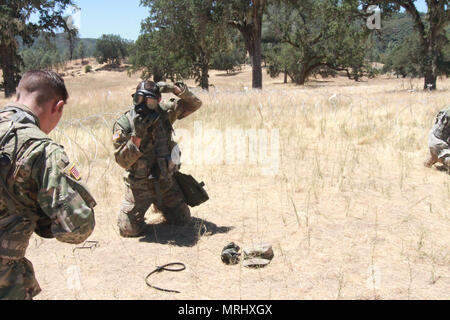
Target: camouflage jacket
[151,159]
[39,186]
[441,129]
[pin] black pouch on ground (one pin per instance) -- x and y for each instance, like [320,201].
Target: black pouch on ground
[193,191]
[230,254]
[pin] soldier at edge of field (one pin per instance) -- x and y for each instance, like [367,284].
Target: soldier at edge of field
[40,188]
[144,147]
[439,140]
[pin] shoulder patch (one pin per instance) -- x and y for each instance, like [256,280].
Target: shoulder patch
[117,135]
[64,162]
[73,172]
[68,168]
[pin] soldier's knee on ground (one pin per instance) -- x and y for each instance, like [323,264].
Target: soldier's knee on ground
[130,226]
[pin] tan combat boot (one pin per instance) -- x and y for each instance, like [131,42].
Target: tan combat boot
[432,159]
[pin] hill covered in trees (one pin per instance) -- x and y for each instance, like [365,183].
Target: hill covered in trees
[52,52]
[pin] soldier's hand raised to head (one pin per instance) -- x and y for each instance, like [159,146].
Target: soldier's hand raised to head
[165,87]
[177,90]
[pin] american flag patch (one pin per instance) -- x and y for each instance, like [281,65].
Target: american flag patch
[116,136]
[74,173]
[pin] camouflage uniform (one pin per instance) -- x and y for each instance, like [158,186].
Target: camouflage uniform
[148,179]
[439,139]
[40,192]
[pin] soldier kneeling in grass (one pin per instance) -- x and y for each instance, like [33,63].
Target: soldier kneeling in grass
[143,145]
[439,139]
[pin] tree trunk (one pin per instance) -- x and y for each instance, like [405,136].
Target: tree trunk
[256,62]
[204,78]
[431,68]
[252,38]
[307,68]
[437,17]
[430,81]
[299,78]
[285,76]
[10,76]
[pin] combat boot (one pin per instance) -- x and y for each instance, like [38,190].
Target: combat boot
[446,162]
[131,226]
[178,216]
[432,159]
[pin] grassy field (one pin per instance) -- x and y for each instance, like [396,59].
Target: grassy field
[351,212]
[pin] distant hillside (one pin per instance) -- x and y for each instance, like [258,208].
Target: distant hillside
[61,44]
[395,29]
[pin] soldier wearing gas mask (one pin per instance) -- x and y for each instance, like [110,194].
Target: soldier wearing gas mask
[143,146]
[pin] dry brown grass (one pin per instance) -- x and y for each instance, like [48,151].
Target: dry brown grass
[352,213]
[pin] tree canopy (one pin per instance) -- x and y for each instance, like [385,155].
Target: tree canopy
[430,34]
[316,37]
[182,38]
[15,24]
[111,49]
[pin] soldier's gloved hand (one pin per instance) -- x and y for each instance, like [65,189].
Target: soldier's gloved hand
[143,122]
[182,86]
[165,87]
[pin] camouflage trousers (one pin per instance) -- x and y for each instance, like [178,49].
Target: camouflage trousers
[439,151]
[17,280]
[140,195]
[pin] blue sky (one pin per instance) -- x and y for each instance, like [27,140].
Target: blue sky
[111,17]
[124,18]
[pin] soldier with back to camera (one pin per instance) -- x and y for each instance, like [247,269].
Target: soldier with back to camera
[40,188]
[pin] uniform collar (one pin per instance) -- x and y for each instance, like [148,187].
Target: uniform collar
[25,109]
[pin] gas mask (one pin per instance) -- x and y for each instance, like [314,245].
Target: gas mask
[145,100]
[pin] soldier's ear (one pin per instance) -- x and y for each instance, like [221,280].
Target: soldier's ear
[58,107]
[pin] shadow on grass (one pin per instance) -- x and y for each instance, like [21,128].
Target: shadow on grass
[182,236]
